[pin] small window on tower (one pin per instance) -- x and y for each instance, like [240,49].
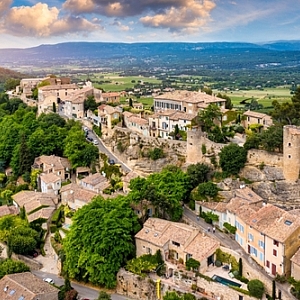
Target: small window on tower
[289,144]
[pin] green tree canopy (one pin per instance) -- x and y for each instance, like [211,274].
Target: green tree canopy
[90,103]
[103,296]
[232,158]
[98,243]
[198,173]
[256,288]
[165,190]
[9,266]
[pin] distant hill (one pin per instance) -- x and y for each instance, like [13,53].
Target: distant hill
[6,74]
[143,56]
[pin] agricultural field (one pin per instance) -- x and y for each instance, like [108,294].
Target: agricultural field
[113,82]
[264,97]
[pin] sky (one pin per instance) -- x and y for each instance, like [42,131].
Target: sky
[28,23]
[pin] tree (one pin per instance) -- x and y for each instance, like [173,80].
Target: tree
[176,132]
[228,103]
[47,120]
[130,103]
[9,266]
[256,288]
[192,264]
[78,151]
[54,107]
[11,83]
[165,191]
[103,296]
[90,104]
[98,244]
[240,266]
[272,138]
[198,173]
[232,159]
[208,189]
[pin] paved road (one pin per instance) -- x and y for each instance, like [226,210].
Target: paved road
[102,148]
[83,291]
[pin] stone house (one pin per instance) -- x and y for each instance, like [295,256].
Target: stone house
[108,115]
[95,182]
[53,164]
[138,105]
[295,265]
[254,118]
[112,97]
[164,122]
[186,101]
[177,243]
[50,183]
[278,232]
[136,123]
[49,94]
[36,203]
[75,196]
[26,286]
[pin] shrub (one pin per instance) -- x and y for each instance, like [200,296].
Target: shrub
[230,228]
[256,288]
[218,263]
[203,149]
[156,153]
[192,264]
[208,189]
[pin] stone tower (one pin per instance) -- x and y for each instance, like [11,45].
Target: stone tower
[193,146]
[291,152]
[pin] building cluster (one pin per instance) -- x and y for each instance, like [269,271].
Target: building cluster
[269,234]
[172,109]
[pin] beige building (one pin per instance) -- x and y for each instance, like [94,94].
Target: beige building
[187,101]
[177,242]
[256,118]
[49,94]
[50,183]
[108,115]
[295,265]
[26,286]
[32,200]
[53,164]
[164,122]
[96,183]
[75,196]
[136,123]
[110,97]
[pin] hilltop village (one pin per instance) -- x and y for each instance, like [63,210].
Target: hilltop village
[191,199]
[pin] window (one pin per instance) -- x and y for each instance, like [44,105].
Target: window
[148,250]
[175,244]
[261,256]
[261,244]
[250,237]
[267,264]
[274,252]
[289,144]
[248,119]
[275,243]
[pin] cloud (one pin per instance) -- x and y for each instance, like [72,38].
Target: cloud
[176,15]
[4,6]
[120,25]
[187,19]
[42,21]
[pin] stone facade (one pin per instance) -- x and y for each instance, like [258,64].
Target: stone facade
[291,148]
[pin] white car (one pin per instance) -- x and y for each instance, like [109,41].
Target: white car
[49,280]
[95,142]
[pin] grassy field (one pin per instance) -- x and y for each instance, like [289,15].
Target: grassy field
[264,97]
[118,83]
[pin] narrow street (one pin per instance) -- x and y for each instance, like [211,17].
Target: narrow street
[102,148]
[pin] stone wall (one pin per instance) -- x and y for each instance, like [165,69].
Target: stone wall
[32,264]
[261,157]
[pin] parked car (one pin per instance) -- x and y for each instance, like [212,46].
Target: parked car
[89,138]
[49,280]
[111,162]
[95,142]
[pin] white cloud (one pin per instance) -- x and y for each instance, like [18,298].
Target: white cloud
[4,6]
[188,18]
[42,21]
